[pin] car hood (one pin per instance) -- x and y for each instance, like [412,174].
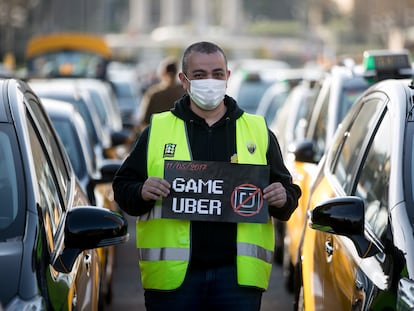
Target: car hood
[10,269]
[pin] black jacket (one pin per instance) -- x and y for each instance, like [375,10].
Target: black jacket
[212,243]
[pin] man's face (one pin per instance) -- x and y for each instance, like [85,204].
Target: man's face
[205,66]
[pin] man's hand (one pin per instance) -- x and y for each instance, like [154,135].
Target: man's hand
[275,194]
[155,188]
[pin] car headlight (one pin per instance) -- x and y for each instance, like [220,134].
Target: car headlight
[35,304]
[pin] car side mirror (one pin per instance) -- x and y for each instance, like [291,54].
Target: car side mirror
[121,137]
[88,227]
[344,216]
[108,169]
[303,151]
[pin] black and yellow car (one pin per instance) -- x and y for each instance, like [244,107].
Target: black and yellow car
[357,251]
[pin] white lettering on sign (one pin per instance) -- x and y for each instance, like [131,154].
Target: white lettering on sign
[192,206]
[179,184]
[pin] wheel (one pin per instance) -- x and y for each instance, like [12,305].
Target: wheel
[298,304]
[279,241]
[289,275]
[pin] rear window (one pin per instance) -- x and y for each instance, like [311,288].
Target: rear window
[250,94]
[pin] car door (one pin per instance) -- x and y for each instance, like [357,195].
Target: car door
[358,158]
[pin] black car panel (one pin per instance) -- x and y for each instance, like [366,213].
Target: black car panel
[40,188]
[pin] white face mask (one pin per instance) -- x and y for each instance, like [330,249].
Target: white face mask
[207,93]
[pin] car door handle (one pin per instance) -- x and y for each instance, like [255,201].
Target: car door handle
[329,248]
[87,262]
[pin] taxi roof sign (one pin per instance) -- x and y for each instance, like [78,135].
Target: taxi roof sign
[53,42]
[387,64]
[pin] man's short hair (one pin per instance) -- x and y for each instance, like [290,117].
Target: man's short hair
[168,66]
[201,47]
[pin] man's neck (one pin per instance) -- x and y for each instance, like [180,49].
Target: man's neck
[210,116]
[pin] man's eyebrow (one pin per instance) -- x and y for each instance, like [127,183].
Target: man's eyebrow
[205,71]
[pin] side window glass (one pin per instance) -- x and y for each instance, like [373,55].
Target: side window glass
[319,135]
[373,182]
[51,144]
[348,151]
[49,199]
[9,185]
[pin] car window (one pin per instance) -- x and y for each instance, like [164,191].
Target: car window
[275,104]
[348,96]
[51,144]
[348,151]
[373,181]
[9,189]
[250,94]
[49,200]
[82,107]
[301,126]
[319,133]
[99,105]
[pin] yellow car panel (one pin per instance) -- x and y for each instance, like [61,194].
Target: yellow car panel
[302,174]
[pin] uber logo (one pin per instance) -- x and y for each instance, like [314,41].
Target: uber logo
[247,200]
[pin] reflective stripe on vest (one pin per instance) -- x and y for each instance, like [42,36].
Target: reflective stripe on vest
[164,244]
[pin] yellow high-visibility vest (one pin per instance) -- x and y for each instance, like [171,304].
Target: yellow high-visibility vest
[164,244]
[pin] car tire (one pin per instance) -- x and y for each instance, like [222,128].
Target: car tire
[279,241]
[288,275]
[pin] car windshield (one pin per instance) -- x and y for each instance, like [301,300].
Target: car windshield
[11,188]
[66,64]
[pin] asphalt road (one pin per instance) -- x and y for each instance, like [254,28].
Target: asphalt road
[128,293]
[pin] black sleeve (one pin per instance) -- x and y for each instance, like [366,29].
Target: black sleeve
[130,178]
[279,173]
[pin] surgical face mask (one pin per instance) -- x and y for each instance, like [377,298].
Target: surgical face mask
[207,93]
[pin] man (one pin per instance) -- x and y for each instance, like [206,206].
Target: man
[203,265]
[161,96]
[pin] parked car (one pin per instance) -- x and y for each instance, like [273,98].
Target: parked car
[49,232]
[250,78]
[291,121]
[125,82]
[67,54]
[358,249]
[336,92]
[275,96]
[67,92]
[95,180]
[89,97]
[339,91]
[289,125]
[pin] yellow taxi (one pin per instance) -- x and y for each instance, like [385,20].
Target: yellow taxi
[357,250]
[336,92]
[67,54]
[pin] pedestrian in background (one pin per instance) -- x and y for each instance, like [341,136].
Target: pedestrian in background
[161,96]
[203,265]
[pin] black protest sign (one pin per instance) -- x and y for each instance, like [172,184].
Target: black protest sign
[216,191]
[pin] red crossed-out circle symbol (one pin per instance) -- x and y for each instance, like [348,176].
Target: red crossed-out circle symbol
[243,195]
